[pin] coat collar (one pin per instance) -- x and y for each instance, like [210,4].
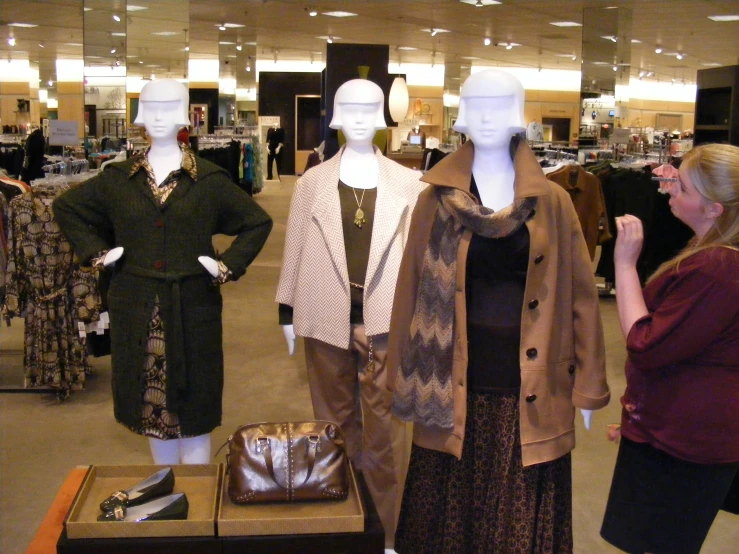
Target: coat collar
[455,170]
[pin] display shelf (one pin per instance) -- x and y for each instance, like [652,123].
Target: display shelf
[717,105]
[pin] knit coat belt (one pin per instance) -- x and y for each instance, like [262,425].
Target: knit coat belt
[177,378]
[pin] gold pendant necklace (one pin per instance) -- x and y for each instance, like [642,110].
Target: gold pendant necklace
[359,218]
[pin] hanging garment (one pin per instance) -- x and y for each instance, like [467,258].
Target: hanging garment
[44,283]
[587,196]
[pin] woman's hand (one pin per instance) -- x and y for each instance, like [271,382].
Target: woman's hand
[614,432]
[629,240]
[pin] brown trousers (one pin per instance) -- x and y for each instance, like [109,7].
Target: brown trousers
[344,391]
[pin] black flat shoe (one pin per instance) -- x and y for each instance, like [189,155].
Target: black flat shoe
[174,506]
[159,484]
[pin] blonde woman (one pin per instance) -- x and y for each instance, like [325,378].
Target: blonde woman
[679,451]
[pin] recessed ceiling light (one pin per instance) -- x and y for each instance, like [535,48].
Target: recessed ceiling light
[74,44]
[435,30]
[225,42]
[406,48]
[165,33]
[480,3]
[222,27]
[724,17]
[116,17]
[112,50]
[238,47]
[233,25]
[710,64]
[609,37]
[339,14]
[24,25]
[11,41]
[135,8]
[118,34]
[40,45]
[679,56]
[232,56]
[313,13]
[658,50]
[635,41]
[469,57]
[486,42]
[87,9]
[565,23]
[329,39]
[250,43]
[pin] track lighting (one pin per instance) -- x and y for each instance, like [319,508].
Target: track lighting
[221,27]
[509,47]
[116,17]
[658,50]
[112,50]
[433,32]
[238,47]
[330,40]
[615,68]
[313,13]
[679,56]
[50,83]
[187,48]
[486,41]
[11,41]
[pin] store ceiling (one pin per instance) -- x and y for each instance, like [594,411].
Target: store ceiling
[284,28]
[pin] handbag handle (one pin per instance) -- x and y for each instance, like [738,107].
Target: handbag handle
[267,453]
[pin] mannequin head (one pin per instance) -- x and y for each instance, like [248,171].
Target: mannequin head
[491,108]
[358,110]
[163,108]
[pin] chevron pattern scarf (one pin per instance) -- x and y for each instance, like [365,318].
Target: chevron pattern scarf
[423,388]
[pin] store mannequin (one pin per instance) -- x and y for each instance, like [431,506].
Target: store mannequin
[275,143]
[489,125]
[165,312]
[416,132]
[342,255]
[495,293]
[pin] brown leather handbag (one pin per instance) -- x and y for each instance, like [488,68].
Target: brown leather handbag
[287,462]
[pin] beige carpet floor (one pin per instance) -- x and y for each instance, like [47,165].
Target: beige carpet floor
[41,440]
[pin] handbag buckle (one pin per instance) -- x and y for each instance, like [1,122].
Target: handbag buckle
[314,442]
[262,444]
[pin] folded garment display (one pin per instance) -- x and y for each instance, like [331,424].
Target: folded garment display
[159,484]
[173,506]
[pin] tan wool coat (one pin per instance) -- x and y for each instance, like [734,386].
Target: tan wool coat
[314,279]
[562,349]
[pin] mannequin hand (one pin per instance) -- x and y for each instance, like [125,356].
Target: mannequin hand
[279,147]
[113,255]
[269,151]
[587,415]
[629,239]
[210,265]
[289,332]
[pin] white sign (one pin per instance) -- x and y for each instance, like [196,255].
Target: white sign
[269,120]
[63,133]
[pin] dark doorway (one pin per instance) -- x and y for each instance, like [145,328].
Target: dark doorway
[560,128]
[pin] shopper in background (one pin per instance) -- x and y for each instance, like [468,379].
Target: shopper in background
[680,422]
[495,337]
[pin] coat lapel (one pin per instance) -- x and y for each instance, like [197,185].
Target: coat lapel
[327,213]
[389,208]
[184,184]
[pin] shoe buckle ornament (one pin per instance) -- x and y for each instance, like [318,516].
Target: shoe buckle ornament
[120,513]
[120,495]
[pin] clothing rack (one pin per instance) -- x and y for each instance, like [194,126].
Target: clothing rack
[67,167]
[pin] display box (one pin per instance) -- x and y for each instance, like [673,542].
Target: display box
[200,483]
[291,518]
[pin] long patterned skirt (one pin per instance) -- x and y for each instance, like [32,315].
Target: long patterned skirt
[487,502]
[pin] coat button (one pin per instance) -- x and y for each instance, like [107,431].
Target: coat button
[159,223]
[571,369]
[539,259]
[158,264]
[533,304]
[531,398]
[531,353]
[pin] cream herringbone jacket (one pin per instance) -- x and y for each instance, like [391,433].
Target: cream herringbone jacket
[314,279]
